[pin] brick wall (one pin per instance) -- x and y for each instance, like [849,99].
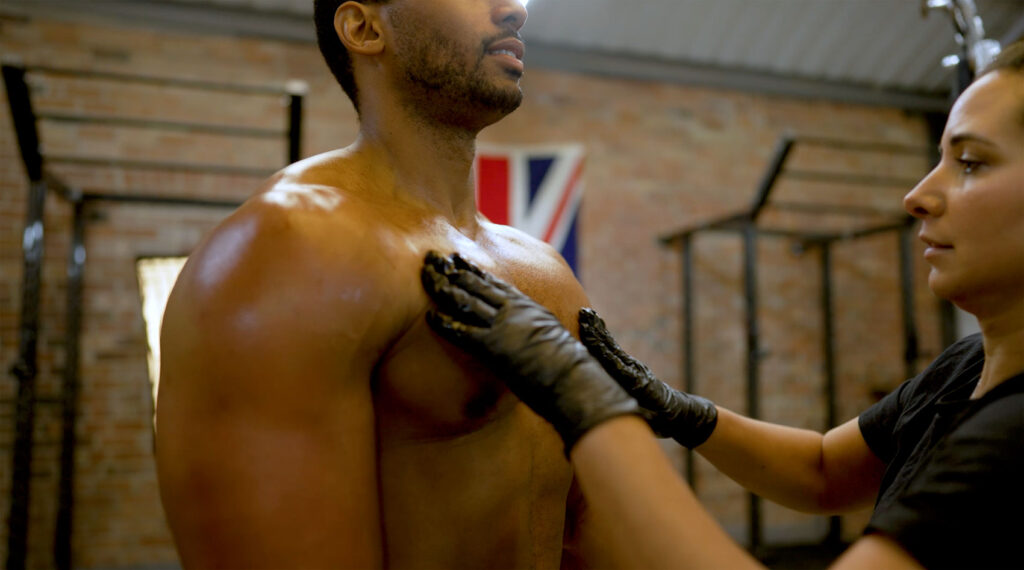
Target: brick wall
[660,157]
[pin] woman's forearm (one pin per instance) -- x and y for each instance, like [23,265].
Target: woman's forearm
[648,516]
[797,468]
[779,463]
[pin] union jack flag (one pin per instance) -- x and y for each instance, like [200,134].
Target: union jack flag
[536,189]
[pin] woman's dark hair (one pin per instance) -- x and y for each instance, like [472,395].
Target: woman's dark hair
[1011,58]
[333,50]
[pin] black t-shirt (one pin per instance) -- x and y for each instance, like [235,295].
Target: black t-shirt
[953,490]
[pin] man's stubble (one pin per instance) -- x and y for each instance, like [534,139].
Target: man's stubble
[438,83]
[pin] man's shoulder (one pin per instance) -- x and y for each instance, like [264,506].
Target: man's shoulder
[536,268]
[523,253]
[313,248]
[287,226]
[316,210]
[521,246]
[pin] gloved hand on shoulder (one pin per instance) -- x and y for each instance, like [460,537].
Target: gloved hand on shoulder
[524,345]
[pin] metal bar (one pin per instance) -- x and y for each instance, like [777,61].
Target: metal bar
[862,146]
[731,221]
[25,368]
[828,347]
[828,334]
[753,360]
[838,209]
[810,237]
[790,234]
[65,499]
[873,230]
[910,347]
[294,127]
[689,379]
[159,81]
[812,240]
[224,130]
[57,186]
[850,179]
[20,102]
[764,189]
[159,165]
[97,196]
[40,401]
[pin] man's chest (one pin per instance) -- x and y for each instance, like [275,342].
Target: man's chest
[425,388]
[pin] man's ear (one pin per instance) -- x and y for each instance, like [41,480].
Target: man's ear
[358,27]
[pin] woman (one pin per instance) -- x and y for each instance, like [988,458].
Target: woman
[942,457]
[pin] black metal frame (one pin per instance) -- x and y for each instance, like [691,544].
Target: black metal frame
[746,224]
[25,120]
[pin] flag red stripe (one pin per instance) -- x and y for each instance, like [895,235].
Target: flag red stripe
[564,201]
[492,181]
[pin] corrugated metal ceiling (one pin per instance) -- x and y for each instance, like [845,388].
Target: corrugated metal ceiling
[882,43]
[868,45]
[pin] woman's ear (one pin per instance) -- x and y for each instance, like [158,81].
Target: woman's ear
[358,28]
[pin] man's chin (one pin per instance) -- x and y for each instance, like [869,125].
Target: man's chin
[500,104]
[511,100]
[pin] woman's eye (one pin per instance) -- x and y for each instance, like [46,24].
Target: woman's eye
[968,165]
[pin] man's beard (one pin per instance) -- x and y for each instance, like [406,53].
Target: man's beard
[439,85]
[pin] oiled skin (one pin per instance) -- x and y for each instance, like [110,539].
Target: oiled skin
[308,416]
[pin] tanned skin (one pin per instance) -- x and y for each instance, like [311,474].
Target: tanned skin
[307,416]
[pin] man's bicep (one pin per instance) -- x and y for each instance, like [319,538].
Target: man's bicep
[266,450]
[247,494]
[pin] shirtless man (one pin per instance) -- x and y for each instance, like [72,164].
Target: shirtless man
[308,416]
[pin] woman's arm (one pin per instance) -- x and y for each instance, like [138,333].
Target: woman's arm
[797,468]
[649,518]
[645,514]
[801,469]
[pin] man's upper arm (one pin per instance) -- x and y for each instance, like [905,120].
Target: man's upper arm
[265,435]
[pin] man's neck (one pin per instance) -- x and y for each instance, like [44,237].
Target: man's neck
[426,162]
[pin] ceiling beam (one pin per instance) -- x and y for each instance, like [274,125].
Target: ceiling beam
[671,71]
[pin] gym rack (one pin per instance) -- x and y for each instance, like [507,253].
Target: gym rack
[41,181]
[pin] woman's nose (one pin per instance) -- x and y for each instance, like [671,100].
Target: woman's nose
[926,199]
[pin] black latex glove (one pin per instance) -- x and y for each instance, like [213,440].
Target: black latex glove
[524,345]
[684,417]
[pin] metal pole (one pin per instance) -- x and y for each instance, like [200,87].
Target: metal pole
[753,359]
[24,369]
[296,91]
[828,345]
[911,349]
[782,150]
[69,394]
[689,381]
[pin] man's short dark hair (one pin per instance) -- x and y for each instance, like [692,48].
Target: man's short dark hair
[333,50]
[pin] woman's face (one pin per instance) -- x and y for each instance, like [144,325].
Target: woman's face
[971,206]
